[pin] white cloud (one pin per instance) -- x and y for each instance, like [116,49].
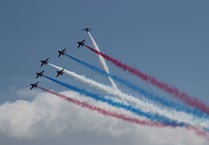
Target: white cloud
[48,116]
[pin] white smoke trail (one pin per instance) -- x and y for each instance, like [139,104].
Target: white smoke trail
[86,80]
[143,104]
[102,61]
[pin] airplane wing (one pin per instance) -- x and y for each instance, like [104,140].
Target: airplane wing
[79,45]
[42,63]
[58,74]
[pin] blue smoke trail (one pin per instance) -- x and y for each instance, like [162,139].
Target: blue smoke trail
[151,116]
[177,107]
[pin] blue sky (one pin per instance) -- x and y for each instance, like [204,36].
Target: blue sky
[167,39]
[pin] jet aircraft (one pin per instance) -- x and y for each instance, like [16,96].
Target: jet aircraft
[44,62]
[35,85]
[39,74]
[87,29]
[61,52]
[81,43]
[59,73]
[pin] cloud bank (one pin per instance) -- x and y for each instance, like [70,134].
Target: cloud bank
[48,119]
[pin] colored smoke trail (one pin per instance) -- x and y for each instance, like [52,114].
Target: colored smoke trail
[103,111]
[145,106]
[198,114]
[118,115]
[148,115]
[84,79]
[164,86]
[102,61]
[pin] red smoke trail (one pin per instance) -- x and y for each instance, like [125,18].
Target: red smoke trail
[199,132]
[164,86]
[103,111]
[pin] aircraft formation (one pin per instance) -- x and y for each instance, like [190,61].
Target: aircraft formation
[157,110]
[60,53]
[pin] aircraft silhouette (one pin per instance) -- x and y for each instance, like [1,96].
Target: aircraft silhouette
[61,52]
[35,85]
[44,62]
[39,74]
[81,43]
[59,73]
[87,29]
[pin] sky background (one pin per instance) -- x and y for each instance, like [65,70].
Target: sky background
[167,39]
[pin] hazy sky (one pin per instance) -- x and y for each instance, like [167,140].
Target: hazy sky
[167,39]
